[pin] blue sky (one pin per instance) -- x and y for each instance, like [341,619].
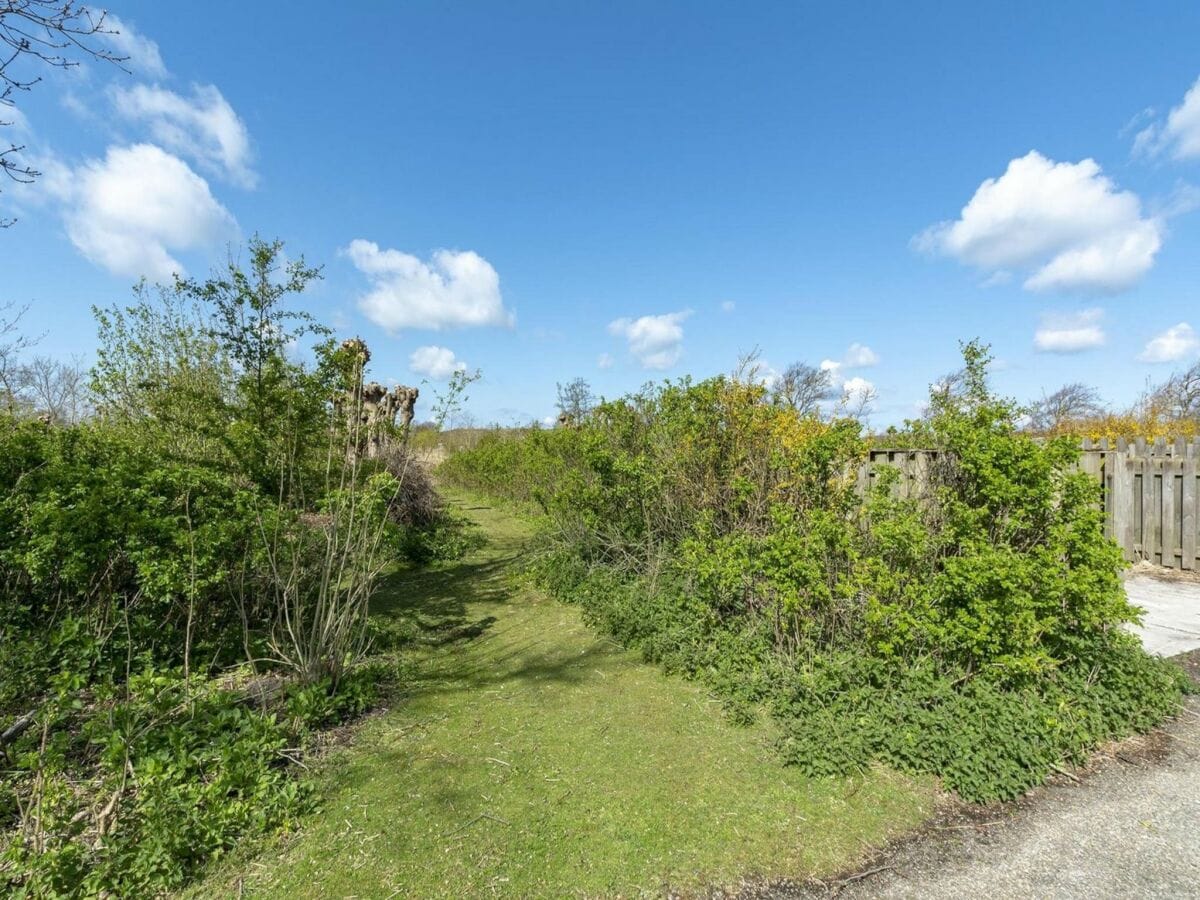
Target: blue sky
[626,192]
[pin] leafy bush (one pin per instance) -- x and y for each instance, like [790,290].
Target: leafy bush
[973,631]
[215,515]
[179,772]
[986,739]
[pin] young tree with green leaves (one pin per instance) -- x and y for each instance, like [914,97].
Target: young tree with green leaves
[279,405]
[449,403]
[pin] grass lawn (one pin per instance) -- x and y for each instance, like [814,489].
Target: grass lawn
[531,757]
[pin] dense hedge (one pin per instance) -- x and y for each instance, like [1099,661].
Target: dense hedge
[974,632]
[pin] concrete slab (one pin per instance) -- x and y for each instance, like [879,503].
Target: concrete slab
[1172,621]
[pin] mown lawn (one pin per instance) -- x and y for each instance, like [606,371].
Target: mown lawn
[530,757]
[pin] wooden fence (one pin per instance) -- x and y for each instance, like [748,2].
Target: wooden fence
[1150,491]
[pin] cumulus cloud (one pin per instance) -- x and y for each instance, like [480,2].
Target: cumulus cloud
[655,341]
[203,127]
[728,306]
[1179,135]
[1065,224]
[1177,342]
[604,361]
[452,290]
[1070,332]
[857,356]
[860,356]
[436,362]
[141,53]
[858,391]
[129,211]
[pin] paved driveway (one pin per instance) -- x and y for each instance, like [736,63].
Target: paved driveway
[1172,623]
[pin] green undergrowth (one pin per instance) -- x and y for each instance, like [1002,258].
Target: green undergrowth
[185,577]
[145,783]
[528,756]
[837,713]
[971,626]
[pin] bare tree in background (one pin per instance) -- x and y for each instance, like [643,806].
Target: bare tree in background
[949,386]
[859,403]
[804,388]
[12,345]
[55,390]
[53,33]
[1070,403]
[575,399]
[1179,396]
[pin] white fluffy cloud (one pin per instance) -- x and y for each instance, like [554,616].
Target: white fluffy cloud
[129,211]
[1065,224]
[203,127]
[728,306]
[655,341]
[858,390]
[454,289]
[1177,342]
[1070,332]
[436,362]
[1179,135]
[857,356]
[604,361]
[860,356]
[141,53]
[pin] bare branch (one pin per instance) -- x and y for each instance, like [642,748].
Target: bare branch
[1070,404]
[804,388]
[54,33]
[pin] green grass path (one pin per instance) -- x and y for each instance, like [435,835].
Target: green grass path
[531,757]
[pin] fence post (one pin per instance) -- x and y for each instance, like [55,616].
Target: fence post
[1168,512]
[1120,500]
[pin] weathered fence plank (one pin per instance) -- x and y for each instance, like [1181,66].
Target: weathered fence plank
[1149,549]
[1150,492]
[1167,545]
[1190,514]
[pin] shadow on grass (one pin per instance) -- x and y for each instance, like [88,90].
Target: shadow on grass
[446,614]
[437,599]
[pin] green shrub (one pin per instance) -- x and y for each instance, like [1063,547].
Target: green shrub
[210,515]
[447,537]
[973,631]
[987,740]
[180,770]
